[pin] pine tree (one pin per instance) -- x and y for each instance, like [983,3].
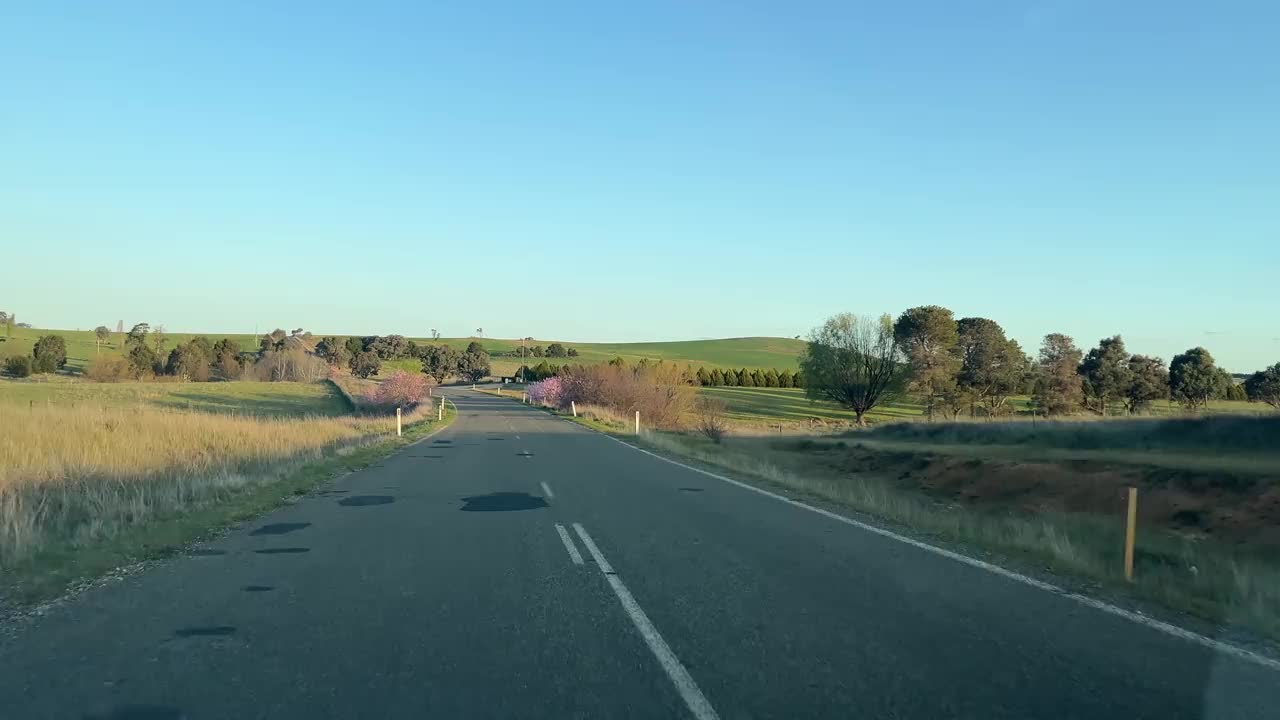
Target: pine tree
[717,378]
[731,378]
[771,378]
[745,378]
[704,378]
[784,379]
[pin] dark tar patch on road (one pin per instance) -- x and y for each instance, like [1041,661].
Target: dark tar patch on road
[205,631]
[258,588]
[280,528]
[363,500]
[502,502]
[282,551]
[138,712]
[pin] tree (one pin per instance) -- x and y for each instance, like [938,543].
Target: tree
[1058,389]
[101,334]
[159,338]
[928,337]
[731,378]
[757,378]
[703,377]
[556,350]
[365,364]
[572,352]
[1264,386]
[189,361]
[771,378]
[1232,390]
[440,361]
[1104,374]
[717,377]
[354,346]
[138,333]
[142,360]
[855,361]
[226,359]
[390,347]
[745,378]
[537,351]
[49,354]
[334,352]
[992,367]
[784,379]
[1194,379]
[475,347]
[473,365]
[1148,381]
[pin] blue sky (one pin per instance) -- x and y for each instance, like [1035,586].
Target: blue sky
[644,171]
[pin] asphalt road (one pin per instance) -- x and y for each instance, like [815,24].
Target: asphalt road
[516,565]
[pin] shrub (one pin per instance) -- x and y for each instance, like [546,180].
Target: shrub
[402,389]
[18,366]
[107,368]
[710,418]
[295,365]
[141,359]
[657,390]
[365,364]
[546,392]
[190,361]
[49,354]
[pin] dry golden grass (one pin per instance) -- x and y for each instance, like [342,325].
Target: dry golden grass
[79,474]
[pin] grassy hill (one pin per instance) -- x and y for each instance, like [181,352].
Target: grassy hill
[754,352]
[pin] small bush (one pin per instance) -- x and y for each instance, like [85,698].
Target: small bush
[107,368]
[294,365]
[18,366]
[402,389]
[710,418]
[49,354]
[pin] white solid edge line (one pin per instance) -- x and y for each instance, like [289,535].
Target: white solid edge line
[546,490]
[574,555]
[1164,627]
[680,677]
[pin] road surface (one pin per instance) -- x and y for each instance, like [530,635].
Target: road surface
[516,565]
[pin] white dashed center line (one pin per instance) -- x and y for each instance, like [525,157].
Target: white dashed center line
[680,677]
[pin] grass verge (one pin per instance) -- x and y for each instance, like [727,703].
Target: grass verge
[70,559]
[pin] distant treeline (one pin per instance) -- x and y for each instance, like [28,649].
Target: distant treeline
[703,377]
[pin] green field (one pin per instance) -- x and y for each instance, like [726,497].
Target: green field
[755,352]
[279,399]
[790,406]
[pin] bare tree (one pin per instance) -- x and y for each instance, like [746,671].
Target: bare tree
[853,360]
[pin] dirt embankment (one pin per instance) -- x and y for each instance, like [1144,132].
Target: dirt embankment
[1230,507]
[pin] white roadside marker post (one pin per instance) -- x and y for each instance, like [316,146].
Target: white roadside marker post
[574,405]
[637,423]
[440,414]
[398,432]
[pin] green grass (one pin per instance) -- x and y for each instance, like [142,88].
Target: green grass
[790,406]
[771,406]
[752,352]
[281,399]
[82,345]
